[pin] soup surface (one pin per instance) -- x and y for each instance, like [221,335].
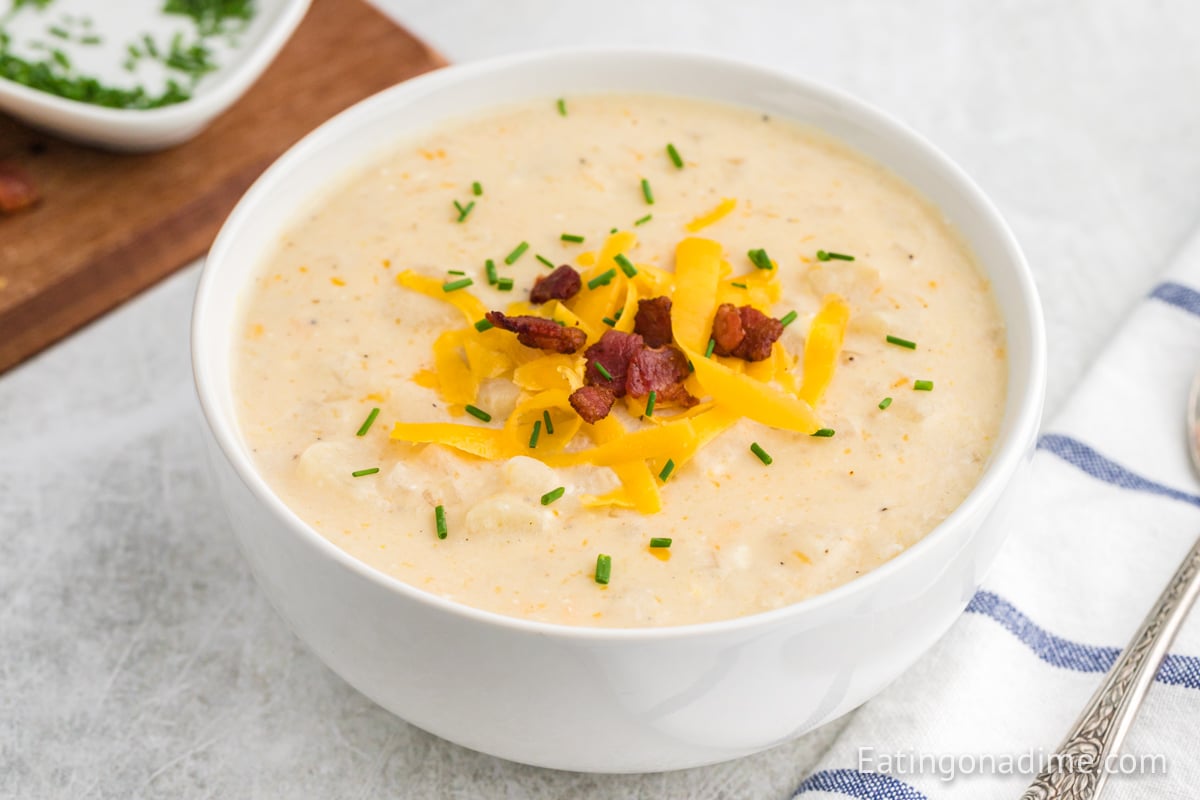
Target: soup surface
[331,333]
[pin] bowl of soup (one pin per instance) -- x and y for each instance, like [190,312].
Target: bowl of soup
[617,410]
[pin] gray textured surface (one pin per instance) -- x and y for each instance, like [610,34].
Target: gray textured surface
[137,659]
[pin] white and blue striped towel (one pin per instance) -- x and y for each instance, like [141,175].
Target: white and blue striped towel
[1112,509]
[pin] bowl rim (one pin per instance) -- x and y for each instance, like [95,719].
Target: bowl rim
[232,84]
[1010,450]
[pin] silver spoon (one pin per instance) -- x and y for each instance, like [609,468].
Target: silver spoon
[1077,771]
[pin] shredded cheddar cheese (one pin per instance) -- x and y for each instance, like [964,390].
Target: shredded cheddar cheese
[715,215]
[732,389]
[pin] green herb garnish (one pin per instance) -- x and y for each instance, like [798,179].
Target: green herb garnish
[478,413]
[505,284]
[625,264]
[439,518]
[552,495]
[760,259]
[712,345]
[537,432]
[673,154]
[544,260]
[489,267]
[884,403]
[738,285]
[660,542]
[603,279]
[823,433]
[572,237]
[923,386]
[477,189]
[643,220]
[823,255]
[667,469]
[901,342]
[763,456]
[463,211]
[516,253]
[788,318]
[603,371]
[483,325]
[562,107]
[368,422]
[549,424]
[650,403]
[603,569]
[454,286]
[363,472]
[647,193]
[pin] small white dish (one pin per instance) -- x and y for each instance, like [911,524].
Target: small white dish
[118,24]
[608,699]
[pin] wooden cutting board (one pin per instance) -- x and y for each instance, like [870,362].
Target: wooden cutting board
[109,225]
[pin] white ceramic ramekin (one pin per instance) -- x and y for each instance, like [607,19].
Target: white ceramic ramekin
[136,130]
[596,699]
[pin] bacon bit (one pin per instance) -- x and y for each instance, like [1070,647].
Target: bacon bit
[653,321]
[561,284]
[17,190]
[592,403]
[744,332]
[661,370]
[614,351]
[539,332]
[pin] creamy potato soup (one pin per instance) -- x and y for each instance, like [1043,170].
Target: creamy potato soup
[824,388]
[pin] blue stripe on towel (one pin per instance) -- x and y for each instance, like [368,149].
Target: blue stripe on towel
[864,785]
[1176,670]
[1085,458]
[1178,295]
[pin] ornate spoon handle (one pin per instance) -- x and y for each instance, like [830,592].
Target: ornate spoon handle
[1077,770]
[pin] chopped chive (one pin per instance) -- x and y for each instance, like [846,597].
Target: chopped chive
[647,192]
[609,321]
[562,107]
[650,403]
[477,188]
[673,154]
[544,260]
[483,325]
[738,285]
[763,456]
[884,403]
[603,279]
[823,433]
[760,259]
[489,267]
[478,413]
[537,431]
[666,470]
[455,272]
[902,342]
[788,318]
[603,371]
[463,211]
[549,424]
[552,495]
[660,542]
[603,569]
[612,230]
[617,315]
[516,253]
[643,220]
[712,345]
[439,518]
[91,40]
[625,264]
[505,284]
[923,386]
[823,255]
[368,422]
[363,472]
[54,30]
[572,237]
[454,286]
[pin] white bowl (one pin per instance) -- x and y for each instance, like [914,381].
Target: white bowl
[608,700]
[154,128]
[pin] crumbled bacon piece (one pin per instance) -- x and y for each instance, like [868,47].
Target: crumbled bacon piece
[661,370]
[653,321]
[614,351]
[592,403]
[561,284]
[744,332]
[539,332]
[17,190]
